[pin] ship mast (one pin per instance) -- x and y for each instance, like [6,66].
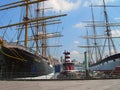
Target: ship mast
[108,41]
[97,49]
[108,31]
[37,28]
[38,22]
[26,23]
[44,34]
[94,53]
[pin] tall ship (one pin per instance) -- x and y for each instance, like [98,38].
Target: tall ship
[102,51]
[24,44]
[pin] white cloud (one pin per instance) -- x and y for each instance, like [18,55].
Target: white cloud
[63,5]
[80,25]
[115,33]
[86,4]
[75,52]
[110,1]
[77,55]
[96,2]
[76,42]
[117,18]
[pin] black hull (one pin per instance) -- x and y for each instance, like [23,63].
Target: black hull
[107,59]
[18,63]
[107,64]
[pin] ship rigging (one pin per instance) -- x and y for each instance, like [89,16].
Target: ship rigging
[99,60]
[26,54]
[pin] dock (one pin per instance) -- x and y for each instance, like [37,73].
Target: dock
[108,84]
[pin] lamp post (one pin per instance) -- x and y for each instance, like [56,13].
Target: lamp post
[86,65]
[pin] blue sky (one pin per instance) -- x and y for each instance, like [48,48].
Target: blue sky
[79,11]
[72,25]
